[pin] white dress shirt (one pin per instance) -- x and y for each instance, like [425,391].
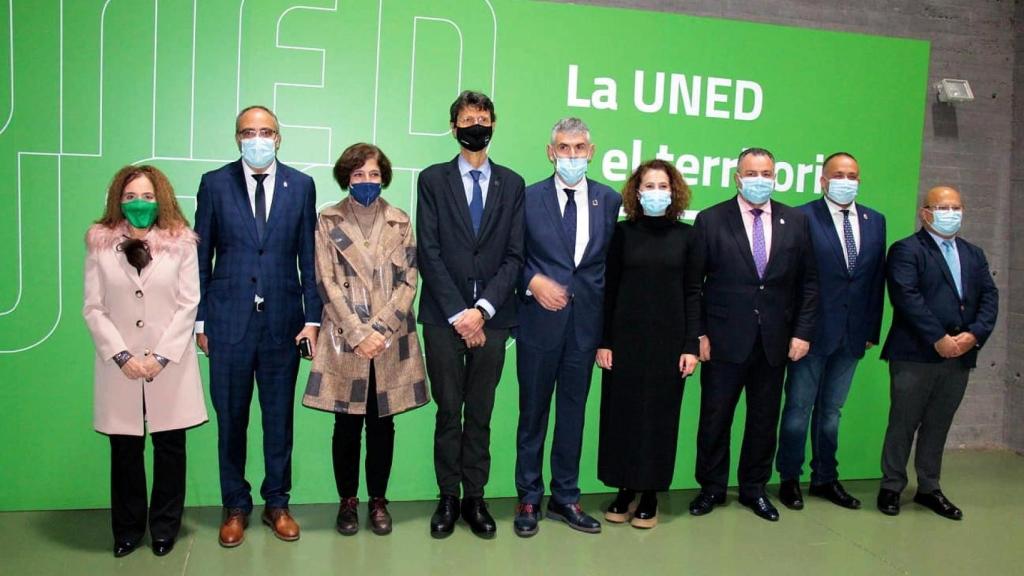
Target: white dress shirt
[837,219]
[485,184]
[582,213]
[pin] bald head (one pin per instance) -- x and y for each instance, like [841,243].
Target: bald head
[940,199]
[942,196]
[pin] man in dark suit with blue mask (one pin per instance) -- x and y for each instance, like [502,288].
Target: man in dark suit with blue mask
[849,248]
[255,218]
[945,306]
[569,223]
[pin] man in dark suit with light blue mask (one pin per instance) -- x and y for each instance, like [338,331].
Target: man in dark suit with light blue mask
[569,222]
[945,306]
[255,218]
[849,248]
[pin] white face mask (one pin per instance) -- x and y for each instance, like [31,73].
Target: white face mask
[259,152]
[842,191]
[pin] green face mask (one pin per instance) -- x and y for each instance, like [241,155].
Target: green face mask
[140,213]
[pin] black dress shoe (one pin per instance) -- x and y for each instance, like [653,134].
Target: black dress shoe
[442,523]
[574,516]
[347,522]
[527,517]
[763,507]
[705,502]
[474,513]
[790,494]
[125,547]
[836,494]
[621,509]
[162,547]
[889,502]
[939,504]
[646,513]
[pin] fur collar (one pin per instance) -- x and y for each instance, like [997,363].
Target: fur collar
[100,237]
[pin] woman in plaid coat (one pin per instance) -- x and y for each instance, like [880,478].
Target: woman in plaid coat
[368,366]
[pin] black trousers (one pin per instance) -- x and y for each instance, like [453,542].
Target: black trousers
[463,381]
[924,399]
[380,447]
[721,384]
[128,511]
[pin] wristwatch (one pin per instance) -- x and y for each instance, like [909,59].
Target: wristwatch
[483,312]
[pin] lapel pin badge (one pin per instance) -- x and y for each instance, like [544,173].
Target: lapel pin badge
[285,184]
[865,215]
[782,220]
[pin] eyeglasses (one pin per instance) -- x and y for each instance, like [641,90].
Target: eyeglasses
[945,208]
[467,121]
[247,133]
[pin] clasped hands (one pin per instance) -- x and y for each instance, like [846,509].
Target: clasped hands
[470,327]
[135,369]
[955,346]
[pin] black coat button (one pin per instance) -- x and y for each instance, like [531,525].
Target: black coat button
[140,323]
[138,293]
[345,284]
[261,252]
[253,279]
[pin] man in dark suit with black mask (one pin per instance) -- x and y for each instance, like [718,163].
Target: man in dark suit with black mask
[469,233]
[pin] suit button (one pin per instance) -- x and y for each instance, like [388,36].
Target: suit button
[253,279]
[345,284]
[138,293]
[761,287]
[140,323]
[757,312]
[476,252]
[261,252]
[146,353]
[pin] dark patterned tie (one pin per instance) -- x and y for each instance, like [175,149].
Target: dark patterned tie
[476,205]
[569,220]
[851,243]
[760,252]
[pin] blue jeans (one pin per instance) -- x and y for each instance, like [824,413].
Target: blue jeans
[816,389]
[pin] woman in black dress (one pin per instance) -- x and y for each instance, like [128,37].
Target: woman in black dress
[652,312]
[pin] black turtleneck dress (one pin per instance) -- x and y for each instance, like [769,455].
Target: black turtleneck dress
[652,315]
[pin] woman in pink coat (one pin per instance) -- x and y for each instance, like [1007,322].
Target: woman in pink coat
[141,294]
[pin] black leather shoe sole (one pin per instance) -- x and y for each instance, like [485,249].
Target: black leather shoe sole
[769,515]
[792,504]
[123,549]
[484,533]
[525,532]
[441,533]
[706,507]
[953,514]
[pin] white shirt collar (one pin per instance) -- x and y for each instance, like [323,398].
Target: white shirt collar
[836,208]
[270,171]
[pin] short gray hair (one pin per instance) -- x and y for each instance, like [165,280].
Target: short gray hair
[570,125]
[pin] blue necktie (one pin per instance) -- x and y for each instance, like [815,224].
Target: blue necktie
[760,251]
[851,243]
[949,251]
[569,220]
[476,205]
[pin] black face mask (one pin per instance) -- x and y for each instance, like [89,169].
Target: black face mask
[474,138]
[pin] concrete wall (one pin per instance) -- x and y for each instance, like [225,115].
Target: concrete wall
[969,147]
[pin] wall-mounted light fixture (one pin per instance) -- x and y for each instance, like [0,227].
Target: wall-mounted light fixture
[951,90]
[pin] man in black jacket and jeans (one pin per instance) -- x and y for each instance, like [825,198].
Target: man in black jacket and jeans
[469,235]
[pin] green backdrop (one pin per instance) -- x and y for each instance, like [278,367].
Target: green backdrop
[87,86]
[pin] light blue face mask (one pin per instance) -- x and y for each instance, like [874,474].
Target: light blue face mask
[655,202]
[947,222]
[258,152]
[756,189]
[571,170]
[842,191]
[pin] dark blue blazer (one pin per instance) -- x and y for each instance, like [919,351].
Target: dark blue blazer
[453,261]
[231,258]
[737,305]
[548,253]
[925,302]
[850,311]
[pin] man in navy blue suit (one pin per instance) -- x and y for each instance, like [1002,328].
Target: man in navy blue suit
[569,222]
[945,306]
[849,248]
[255,218]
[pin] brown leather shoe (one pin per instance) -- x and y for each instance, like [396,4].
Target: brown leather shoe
[281,522]
[380,519]
[232,531]
[347,522]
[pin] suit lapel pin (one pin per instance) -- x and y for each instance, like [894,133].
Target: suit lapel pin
[782,220]
[594,202]
[285,184]
[865,215]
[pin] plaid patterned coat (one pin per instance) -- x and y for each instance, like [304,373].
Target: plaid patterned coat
[359,299]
